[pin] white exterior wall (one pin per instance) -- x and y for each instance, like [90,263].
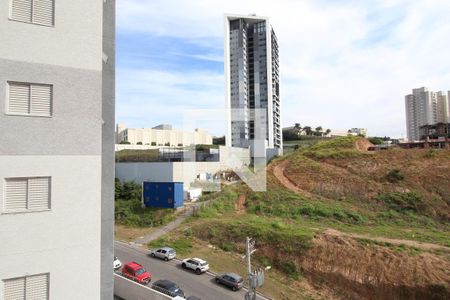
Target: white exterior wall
[63,44]
[73,241]
[424,107]
[161,137]
[64,241]
[186,172]
[443,115]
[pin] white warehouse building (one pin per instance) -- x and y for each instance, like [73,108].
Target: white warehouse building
[162,135]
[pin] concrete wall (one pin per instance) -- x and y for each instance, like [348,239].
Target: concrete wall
[75,146]
[130,290]
[62,241]
[74,40]
[120,147]
[186,172]
[108,140]
[162,136]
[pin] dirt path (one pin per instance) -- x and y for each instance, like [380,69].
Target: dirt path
[278,172]
[419,245]
[144,240]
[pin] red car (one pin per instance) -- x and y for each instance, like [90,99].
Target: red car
[134,271]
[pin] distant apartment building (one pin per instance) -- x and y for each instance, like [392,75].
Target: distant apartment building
[252,82]
[57,69]
[424,107]
[162,135]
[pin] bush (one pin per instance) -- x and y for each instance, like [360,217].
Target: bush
[128,190]
[394,176]
[402,202]
[131,213]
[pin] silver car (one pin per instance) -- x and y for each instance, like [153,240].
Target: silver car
[165,253]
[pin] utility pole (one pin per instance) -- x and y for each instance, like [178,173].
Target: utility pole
[256,277]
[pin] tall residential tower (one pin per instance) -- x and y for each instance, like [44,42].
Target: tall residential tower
[57,64]
[252,82]
[424,107]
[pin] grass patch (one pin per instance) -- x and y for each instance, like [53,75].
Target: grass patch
[181,245]
[127,155]
[402,202]
[130,213]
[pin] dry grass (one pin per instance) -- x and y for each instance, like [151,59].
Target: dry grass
[128,234]
[277,285]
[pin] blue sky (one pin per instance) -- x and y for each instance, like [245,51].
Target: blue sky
[343,63]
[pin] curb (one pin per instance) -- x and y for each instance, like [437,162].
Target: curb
[147,252]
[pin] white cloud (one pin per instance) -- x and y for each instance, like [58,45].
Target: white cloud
[343,63]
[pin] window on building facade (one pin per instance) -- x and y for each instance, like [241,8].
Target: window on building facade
[39,12]
[34,287]
[30,99]
[26,194]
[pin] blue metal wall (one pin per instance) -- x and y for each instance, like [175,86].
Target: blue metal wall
[163,194]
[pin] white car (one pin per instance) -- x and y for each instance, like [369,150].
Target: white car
[117,263]
[165,253]
[196,264]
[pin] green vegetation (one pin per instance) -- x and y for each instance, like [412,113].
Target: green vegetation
[402,202]
[129,210]
[395,176]
[181,245]
[128,155]
[376,140]
[131,213]
[339,148]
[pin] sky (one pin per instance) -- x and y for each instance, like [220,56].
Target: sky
[343,63]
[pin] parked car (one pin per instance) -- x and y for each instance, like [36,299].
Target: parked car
[196,264]
[165,253]
[168,287]
[231,280]
[117,263]
[134,271]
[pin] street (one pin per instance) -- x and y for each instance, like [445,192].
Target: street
[202,286]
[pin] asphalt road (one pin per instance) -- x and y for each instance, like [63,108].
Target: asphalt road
[202,286]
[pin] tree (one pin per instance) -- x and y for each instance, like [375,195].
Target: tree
[308,130]
[290,135]
[328,131]
[219,140]
[118,189]
[124,142]
[297,126]
[167,144]
[318,131]
[153,143]
[139,143]
[130,190]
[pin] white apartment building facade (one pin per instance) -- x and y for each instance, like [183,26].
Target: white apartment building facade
[424,107]
[252,82]
[162,135]
[57,63]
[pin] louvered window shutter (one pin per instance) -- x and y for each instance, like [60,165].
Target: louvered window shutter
[21,10]
[37,287]
[39,193]
[43,12]
[16,194]
[14,289]
[41,100]
[30,99]
[19,98]
[40,12]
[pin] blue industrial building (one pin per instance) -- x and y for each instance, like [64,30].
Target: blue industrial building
[163,194]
